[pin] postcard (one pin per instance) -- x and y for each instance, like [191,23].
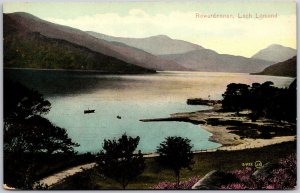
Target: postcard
[150,95]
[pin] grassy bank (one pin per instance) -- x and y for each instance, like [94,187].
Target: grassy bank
[204,162]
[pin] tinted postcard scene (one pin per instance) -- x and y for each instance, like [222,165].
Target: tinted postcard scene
[150,95]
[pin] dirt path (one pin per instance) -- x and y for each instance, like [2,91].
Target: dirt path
[55,178]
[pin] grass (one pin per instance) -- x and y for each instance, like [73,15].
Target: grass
[204,163]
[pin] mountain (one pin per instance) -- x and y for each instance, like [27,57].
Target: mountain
[156,45]
[188,55]
[25,24]
[286,68]
[37,51]
[275,53]
[210,61]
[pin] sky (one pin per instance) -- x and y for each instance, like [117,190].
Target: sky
[234,35]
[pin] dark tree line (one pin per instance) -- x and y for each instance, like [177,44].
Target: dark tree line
[28,136]
[264,100]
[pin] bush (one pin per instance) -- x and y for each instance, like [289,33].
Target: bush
[173,185]
[281,178]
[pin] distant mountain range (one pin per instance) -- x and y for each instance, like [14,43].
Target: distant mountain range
[30,42]
[210,61]
[286,68]
[275,53]
[188,55]
[157,45]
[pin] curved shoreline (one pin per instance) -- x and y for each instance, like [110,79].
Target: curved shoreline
[220,132]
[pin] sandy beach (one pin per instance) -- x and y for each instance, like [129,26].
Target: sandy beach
[231,142]
[224,136]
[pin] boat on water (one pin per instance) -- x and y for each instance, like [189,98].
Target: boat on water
[89,111]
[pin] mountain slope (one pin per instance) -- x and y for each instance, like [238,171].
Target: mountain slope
[275,53]
[286,68]
[34,50]
[157,45]
[210,61]
[26,23]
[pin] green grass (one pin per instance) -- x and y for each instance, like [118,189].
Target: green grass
[204,162]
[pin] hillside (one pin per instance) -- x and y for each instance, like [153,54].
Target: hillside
[157,45]
[24,24]
[210,61]
[275,53]
[34,50]
[286,68]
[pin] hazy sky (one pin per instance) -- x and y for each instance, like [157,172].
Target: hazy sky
[237,36]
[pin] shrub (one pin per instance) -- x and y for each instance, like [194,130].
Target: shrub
[173,185]
[281,178]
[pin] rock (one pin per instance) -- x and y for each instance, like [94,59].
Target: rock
[266,170]
[214,180]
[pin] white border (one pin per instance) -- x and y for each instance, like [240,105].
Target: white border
[1,83]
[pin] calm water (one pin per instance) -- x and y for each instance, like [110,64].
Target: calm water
[133,97]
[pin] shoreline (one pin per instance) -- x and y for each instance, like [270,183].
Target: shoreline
[230,144]
[220,132]
[81,71]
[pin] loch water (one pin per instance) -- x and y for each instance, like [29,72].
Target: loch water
[120,101]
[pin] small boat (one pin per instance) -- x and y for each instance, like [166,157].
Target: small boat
[89,111]
[119,117]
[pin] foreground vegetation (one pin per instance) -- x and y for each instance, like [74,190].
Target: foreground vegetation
[280,176]
[29,138]
[203,163]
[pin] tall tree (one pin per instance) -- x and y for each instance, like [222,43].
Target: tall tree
[118,161]
[175,153]
[21,102]
[236,97]
[28,135]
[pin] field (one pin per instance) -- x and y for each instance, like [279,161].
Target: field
[204,163]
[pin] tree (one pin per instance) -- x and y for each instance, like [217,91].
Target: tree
[175,153]
[261,95]
[21,102]
[264,100]
[236,97]
[37,135]
[118,161]
[28,135]
[283,104]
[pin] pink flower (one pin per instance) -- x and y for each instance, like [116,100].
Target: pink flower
[172,185]
[269,187]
